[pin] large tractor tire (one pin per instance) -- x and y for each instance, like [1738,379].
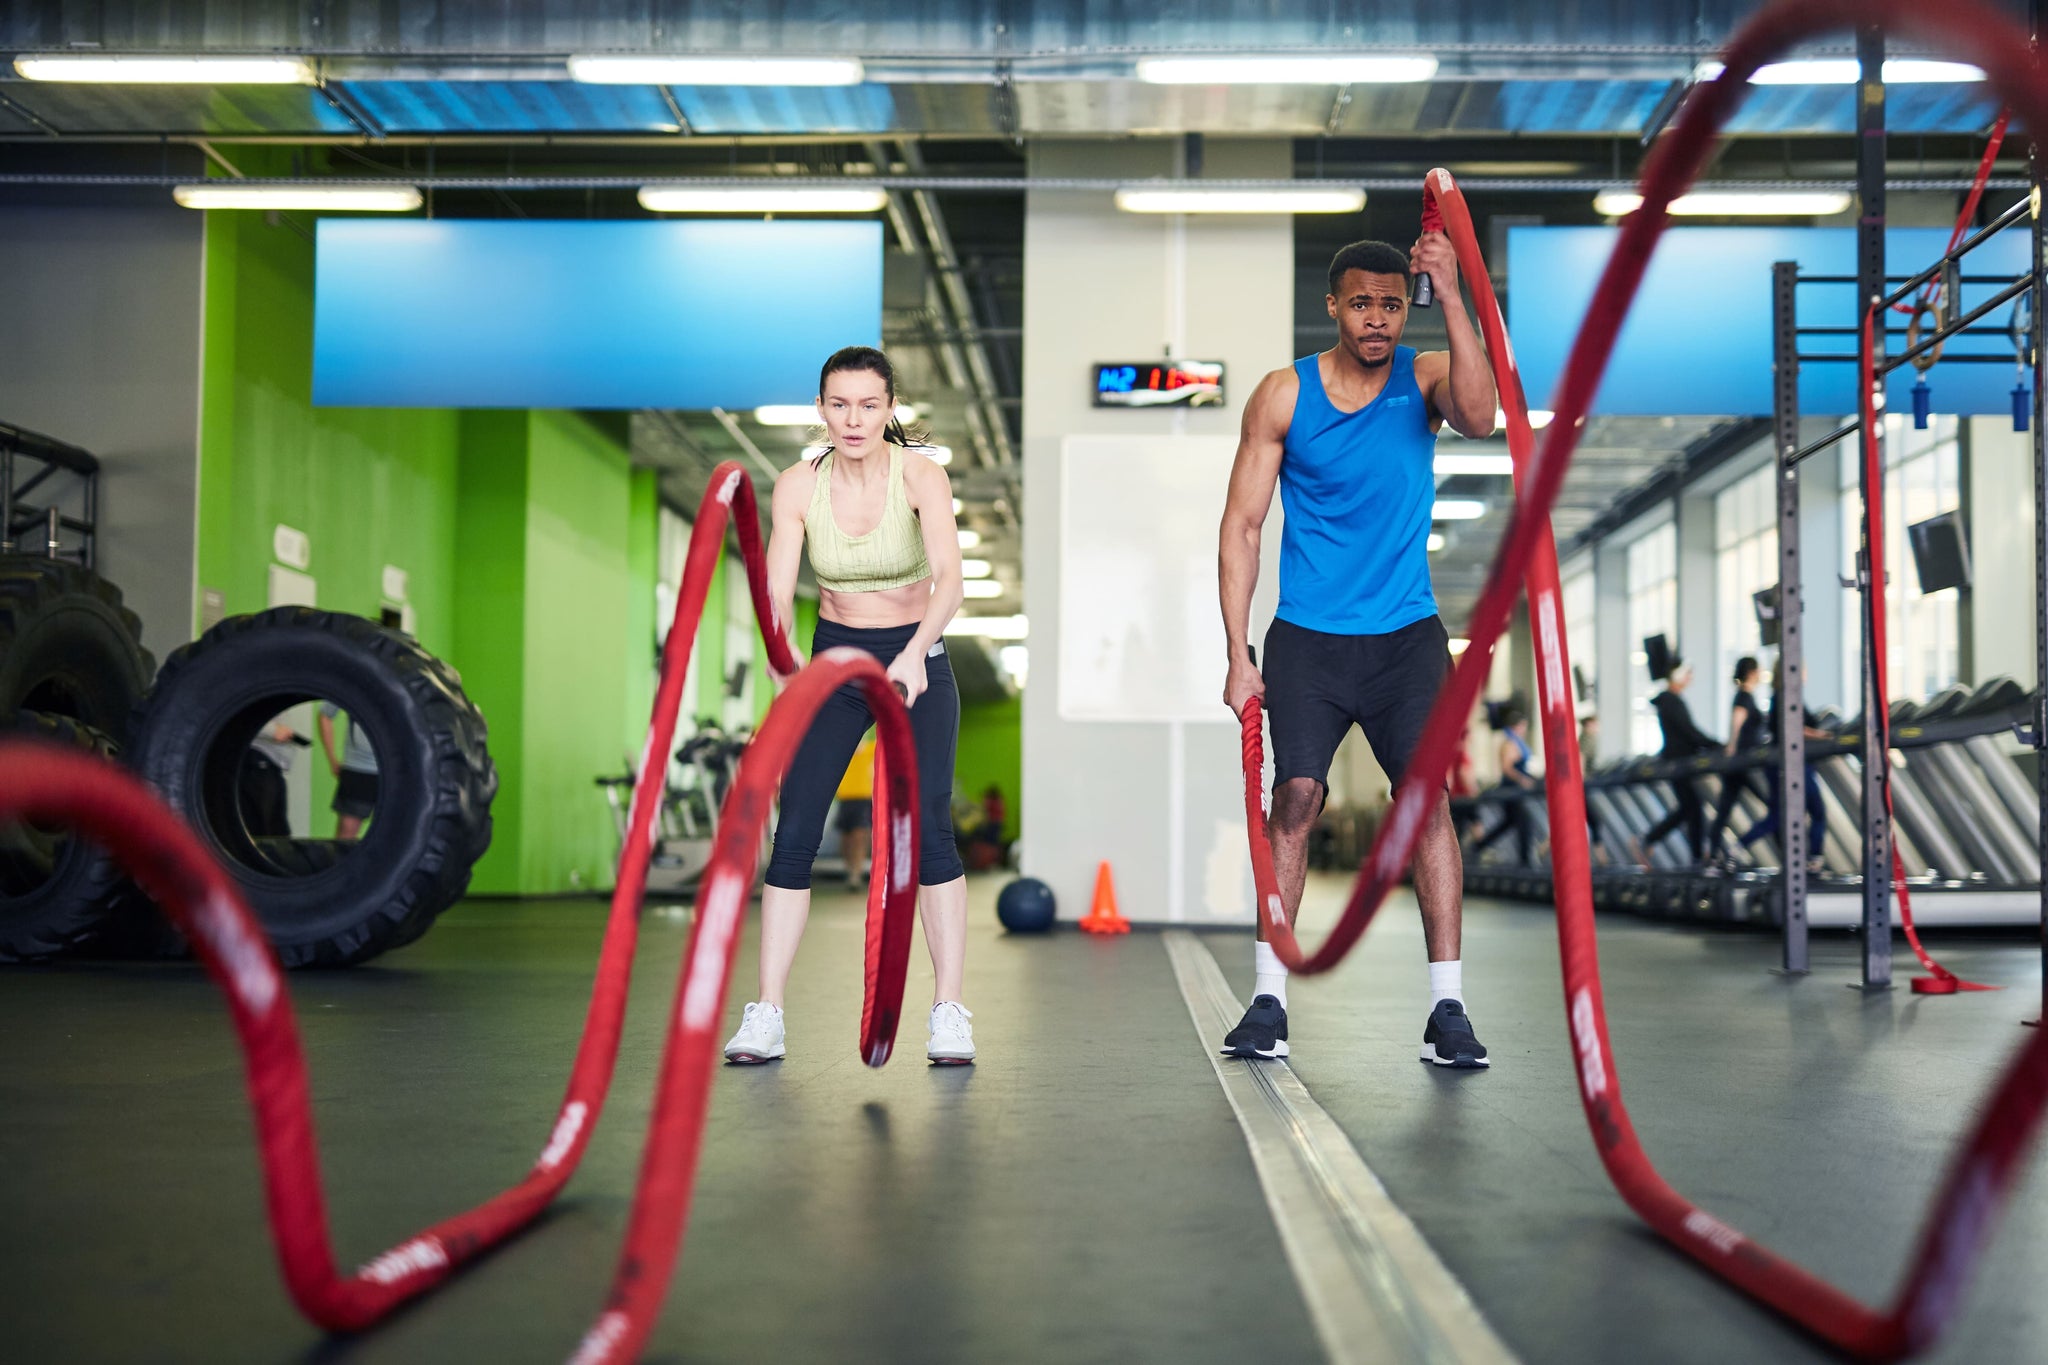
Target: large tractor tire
[68,647]
[55,888]
[325,903]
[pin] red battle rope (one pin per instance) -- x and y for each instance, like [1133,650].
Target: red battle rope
[1981,1176]
[1966,217]
[170,862]
[1870,409]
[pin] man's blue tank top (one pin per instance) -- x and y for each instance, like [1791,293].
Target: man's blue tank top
[1521,763]
[1357,489]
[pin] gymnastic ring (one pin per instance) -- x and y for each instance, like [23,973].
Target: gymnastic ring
[1927,307]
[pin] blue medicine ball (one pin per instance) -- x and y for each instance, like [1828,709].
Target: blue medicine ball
[1026,906]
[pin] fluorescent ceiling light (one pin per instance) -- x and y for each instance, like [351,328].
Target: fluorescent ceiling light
[939,454]
[1539,418]
[716,70]
[166,70]
[976,568]
[1347,70]
[1459,644]
[1307,199]
[1436,542]
[232,194]
[813,452]
[989,627]
[1847,71]
[1016,661]
[969,539]
[1457,509]
[958,507]
[1732,203]
[1921,71]
[981,587]
[1448,463]
[766,199]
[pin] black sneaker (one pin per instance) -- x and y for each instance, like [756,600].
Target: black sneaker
[1448,1040]
[1261,1033]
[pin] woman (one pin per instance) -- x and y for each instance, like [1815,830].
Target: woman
[1516,783]
[877,518]
[1682,739]
[1745,731]
[1816,810]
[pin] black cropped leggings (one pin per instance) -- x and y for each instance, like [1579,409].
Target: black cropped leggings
[1688,812]
[838,730]
[1517,818]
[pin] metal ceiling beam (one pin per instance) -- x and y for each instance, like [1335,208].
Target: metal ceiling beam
[944,341]
[746,443]
[1706,454]
[948,272]
[925,185]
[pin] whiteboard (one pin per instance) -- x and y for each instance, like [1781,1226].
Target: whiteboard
[1140,631]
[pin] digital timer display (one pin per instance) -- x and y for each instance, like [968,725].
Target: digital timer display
[1159,384]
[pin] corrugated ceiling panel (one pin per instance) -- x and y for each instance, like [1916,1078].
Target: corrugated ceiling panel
[774,109]
[179,108]
[1832,109]
[511,107]
[1128,106]
[1573,106]
[957,109]
[989,27]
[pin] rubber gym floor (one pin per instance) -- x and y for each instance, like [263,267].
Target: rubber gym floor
[1084,1193]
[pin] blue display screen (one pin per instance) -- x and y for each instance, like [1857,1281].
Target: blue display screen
[1159,384]
[577,314]
[1698,340]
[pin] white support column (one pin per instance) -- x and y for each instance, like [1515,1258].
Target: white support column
[1107,286]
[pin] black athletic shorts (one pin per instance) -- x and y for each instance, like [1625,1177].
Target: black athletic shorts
[355,793]
[1318,686]
[855,812]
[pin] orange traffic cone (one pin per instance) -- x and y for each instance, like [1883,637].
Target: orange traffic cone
[1102,917]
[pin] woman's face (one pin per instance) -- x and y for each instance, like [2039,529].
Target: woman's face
[856,407]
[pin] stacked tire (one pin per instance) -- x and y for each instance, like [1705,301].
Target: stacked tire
[73,672]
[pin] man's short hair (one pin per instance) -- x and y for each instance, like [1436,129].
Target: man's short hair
[1374,258]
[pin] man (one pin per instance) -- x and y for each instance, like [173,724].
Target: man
[1349,437]
[355,774]
[856,819]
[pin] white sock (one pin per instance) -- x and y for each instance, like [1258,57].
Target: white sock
[1269,973]
[1446,982]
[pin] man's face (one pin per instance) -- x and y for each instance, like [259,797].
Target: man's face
[1370,311]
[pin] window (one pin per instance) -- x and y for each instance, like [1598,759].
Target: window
[1922,478]
[1745,563]
[1580,612]
[1652,610]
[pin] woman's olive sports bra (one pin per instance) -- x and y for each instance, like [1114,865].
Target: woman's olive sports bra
[890,556]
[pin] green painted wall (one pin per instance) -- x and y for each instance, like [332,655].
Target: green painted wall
[528,541]
[642,571]
[369,487]
[582,662]
[992,750]
[489,572]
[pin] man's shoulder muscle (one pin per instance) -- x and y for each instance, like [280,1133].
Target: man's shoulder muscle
[1272,402]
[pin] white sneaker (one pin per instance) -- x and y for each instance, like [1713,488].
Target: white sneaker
[760,1035]
[952,1035]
